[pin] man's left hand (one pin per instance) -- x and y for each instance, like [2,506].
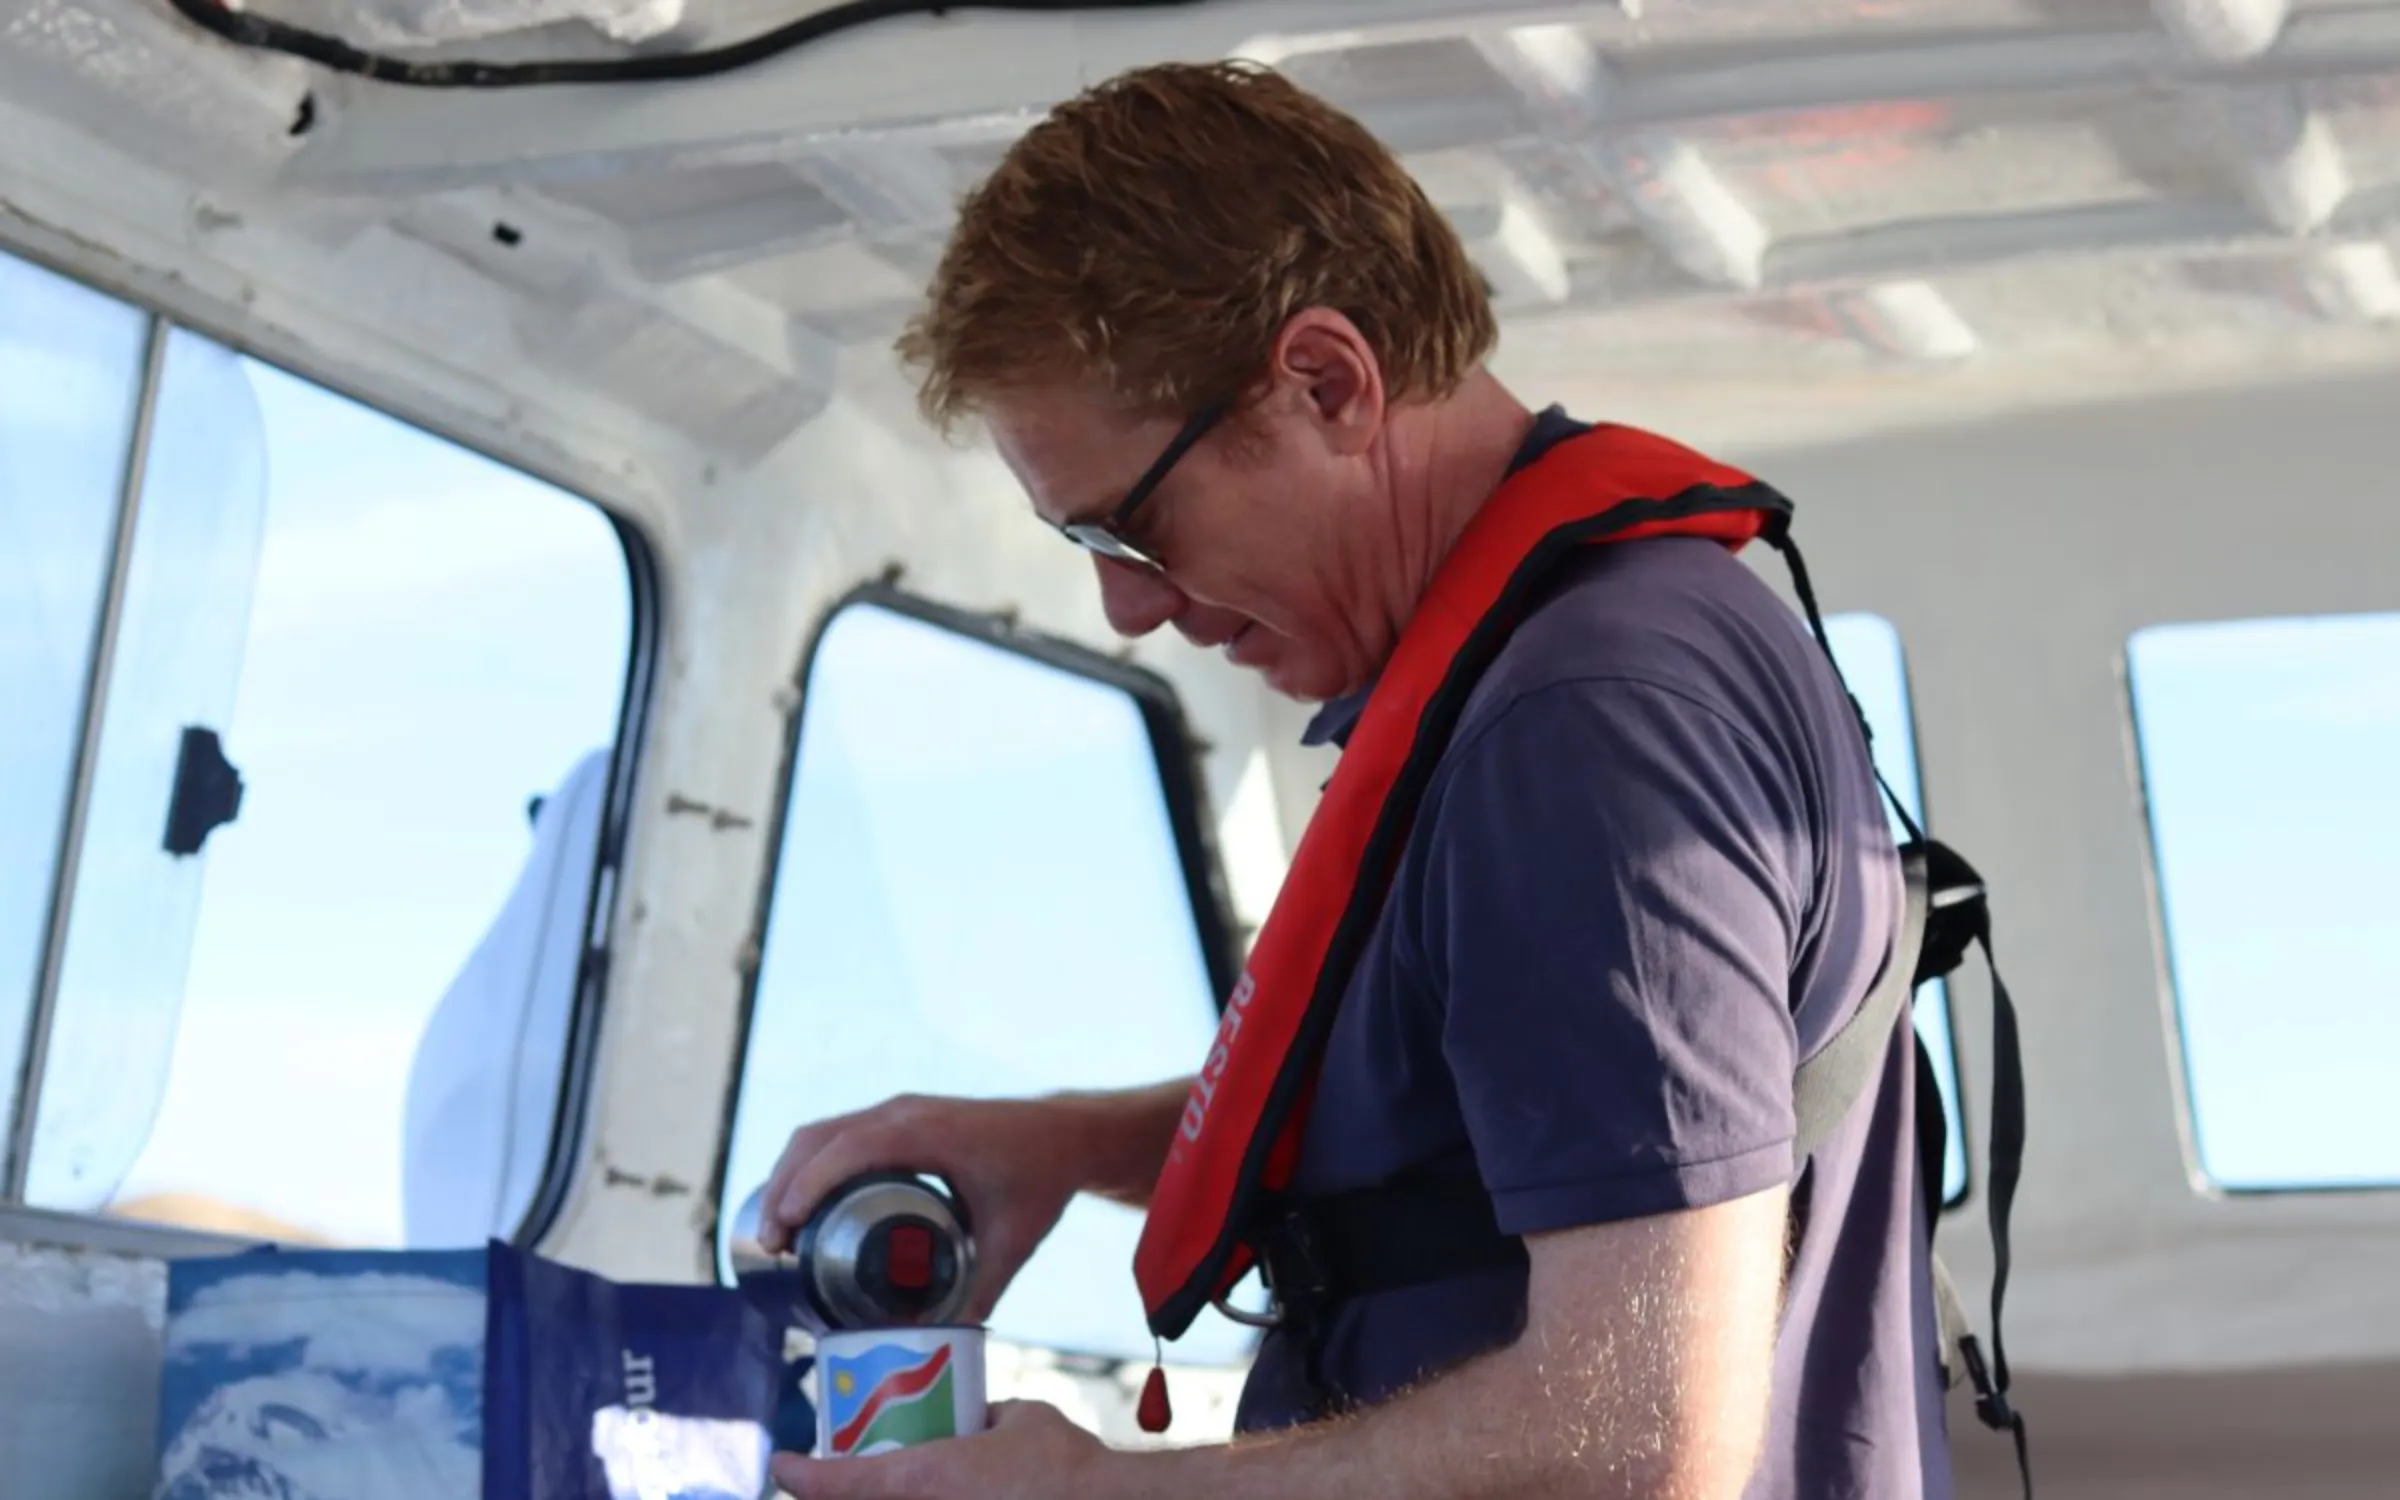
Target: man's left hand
[1029,1452]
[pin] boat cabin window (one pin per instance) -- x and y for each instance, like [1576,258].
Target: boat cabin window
[2267,751]
[990,881]
[70,384]
[1867,647]
[313,961]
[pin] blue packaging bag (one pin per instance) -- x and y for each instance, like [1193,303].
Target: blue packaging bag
[601,1391]
[452,1375]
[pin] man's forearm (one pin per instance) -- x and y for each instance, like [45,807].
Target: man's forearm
[1122,1136]
[1496,1427]
[1465,1436]
[1648,1379]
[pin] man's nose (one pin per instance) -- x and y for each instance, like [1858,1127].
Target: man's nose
[1136,600]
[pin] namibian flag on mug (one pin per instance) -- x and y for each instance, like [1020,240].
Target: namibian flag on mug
[888,1396]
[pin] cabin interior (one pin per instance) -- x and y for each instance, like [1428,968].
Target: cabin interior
[650,736]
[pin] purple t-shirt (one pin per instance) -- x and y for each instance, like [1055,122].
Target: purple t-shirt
[1650,875]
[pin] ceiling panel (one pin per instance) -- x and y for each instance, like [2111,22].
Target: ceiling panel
[1827,171]
[1419,95]
[1682,31]
[2363,115]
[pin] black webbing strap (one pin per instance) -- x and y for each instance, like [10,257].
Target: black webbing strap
[1933,1132]
[2008,1157]
[1959,916]
[1778,535]
[1317,1253]
[1425,1227]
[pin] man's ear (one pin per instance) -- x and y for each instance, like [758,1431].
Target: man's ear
[1331,375]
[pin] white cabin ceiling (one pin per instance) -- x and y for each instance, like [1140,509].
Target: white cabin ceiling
[1916,208]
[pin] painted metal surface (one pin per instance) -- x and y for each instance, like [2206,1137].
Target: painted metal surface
[82,1321]
[2015,559]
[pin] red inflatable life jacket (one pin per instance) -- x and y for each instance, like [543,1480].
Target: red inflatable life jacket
[1241,1127]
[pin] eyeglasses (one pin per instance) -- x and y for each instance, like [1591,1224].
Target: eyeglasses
[1107,537]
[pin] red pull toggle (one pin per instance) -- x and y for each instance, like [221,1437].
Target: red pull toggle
[1152,1411]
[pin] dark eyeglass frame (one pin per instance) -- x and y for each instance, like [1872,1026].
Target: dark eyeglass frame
[1107,537]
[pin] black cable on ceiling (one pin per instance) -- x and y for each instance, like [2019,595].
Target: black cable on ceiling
[265,33]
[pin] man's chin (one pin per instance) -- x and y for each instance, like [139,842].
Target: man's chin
[1300,684]
[1289,669]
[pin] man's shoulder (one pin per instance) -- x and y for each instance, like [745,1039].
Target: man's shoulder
[1680,615]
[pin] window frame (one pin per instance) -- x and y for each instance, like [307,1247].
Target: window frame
[24,1222]
[603,896]
[66,865]
[2204,1183]
[1175,748]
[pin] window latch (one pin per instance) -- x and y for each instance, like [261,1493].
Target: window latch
[208,792]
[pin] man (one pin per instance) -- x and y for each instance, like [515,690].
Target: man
[1632,876]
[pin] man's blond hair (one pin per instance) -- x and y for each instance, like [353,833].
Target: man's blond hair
[1148,239]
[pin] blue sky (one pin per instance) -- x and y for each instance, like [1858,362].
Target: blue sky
[2272,752]
[936,928]
[432,639]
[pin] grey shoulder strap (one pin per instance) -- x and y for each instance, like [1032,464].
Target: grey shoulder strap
[1828,1083]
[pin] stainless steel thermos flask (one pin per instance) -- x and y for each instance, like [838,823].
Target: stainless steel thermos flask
[882,1250]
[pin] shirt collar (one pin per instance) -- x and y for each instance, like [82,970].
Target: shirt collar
[1335,719]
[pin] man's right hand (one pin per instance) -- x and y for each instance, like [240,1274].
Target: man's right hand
[1016,1162]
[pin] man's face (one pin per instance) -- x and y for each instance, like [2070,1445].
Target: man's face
[1247,527]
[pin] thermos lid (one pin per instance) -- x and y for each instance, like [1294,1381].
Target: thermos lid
[883,1250]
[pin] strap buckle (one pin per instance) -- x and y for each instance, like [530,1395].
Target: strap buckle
[1991,1403]
[1271,1318]
[1292,1268]
[1291,1264]
[1291,1260]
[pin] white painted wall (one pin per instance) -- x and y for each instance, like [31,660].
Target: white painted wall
[82,1317]
[760,560]
[2015,558]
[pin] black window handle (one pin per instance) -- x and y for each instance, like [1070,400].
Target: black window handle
[208,792]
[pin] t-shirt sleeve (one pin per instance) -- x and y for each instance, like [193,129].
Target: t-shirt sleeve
[1610,918]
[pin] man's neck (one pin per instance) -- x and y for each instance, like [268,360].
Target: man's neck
[1447,459]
